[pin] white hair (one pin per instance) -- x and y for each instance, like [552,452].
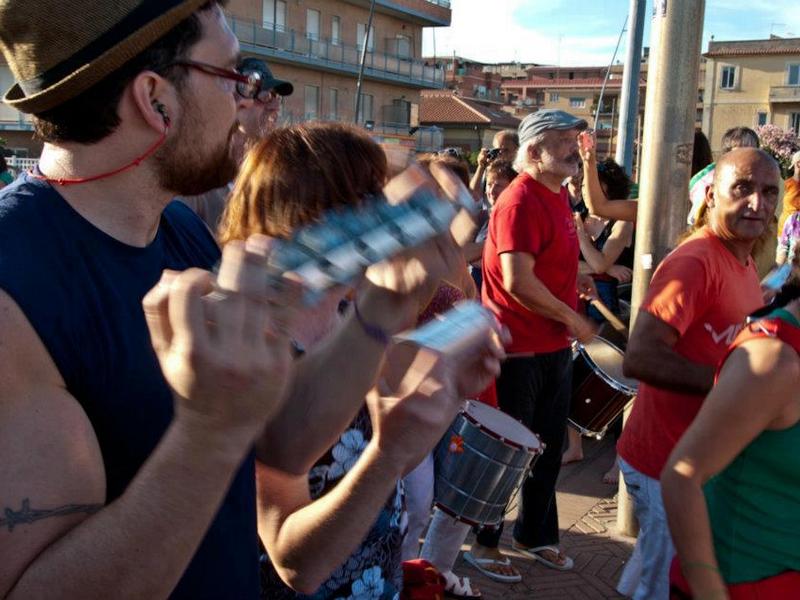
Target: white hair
[522,160]
[796,157]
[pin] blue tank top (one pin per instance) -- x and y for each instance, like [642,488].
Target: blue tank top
[82,292]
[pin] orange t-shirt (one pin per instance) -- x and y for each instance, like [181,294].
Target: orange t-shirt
[705,293]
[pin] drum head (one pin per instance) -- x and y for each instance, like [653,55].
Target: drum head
[500,425]
[606,359]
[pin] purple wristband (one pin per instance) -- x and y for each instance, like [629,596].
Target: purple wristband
[376,333]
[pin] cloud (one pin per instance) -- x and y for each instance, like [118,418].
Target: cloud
[584,32]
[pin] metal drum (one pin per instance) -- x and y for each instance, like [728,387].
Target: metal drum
[600,391]
[480,463]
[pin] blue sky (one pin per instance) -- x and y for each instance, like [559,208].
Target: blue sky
[584,32]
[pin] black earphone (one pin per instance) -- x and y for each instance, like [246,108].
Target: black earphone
[162,110]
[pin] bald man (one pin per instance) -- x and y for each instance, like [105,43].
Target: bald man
[696,305]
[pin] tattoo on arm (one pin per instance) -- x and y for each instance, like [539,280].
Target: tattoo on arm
[11,518]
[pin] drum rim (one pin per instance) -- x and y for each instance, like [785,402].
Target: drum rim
[613,383]
[500,438]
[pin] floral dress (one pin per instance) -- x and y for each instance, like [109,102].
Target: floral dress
[790,236]
[373,571]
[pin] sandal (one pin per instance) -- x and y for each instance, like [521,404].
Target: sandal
[535,554]
[458,587]
[484,565]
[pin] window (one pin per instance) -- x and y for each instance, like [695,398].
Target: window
[336,31]
[362,28]
[365,111]
[728,78]
[333,104]
[794,122]
[274,16]
[403,46]
[577,102]
[312,102]
[761,118]
[553,96]
[793,75]
[312,24]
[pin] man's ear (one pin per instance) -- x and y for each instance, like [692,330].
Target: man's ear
[534,153]
[709,197]
[154,99]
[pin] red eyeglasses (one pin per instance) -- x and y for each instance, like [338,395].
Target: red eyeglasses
[246,85]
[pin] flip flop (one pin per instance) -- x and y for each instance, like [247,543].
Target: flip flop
[534,554]
[482,563]
[458,587]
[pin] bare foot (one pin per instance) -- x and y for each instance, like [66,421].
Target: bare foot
[572,455]
[611,476]
[494,561]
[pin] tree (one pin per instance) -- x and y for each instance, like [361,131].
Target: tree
[780,144]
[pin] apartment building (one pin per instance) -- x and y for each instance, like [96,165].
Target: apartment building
[577,90]
[16,129]
[471,79]
[318,45]
[751,83]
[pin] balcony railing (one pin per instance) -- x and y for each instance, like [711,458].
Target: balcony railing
[295,46]
[784,93]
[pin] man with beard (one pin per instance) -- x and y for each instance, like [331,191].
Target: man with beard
[128,436]
[530,271]
[695,307]
[256,120]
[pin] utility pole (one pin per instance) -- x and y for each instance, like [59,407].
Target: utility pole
[363,60]
[629,97]
[666,153]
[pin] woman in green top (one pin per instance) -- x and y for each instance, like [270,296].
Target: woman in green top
[5,175]
[741,452]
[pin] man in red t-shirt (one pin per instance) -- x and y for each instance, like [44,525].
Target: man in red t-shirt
[530,271]
[696,305]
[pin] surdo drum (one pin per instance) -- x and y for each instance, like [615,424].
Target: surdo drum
[480,464]
[600,391]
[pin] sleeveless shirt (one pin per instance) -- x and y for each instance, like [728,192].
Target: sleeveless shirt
[82,291]
[754,504]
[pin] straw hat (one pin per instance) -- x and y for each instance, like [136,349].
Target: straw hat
[57,49]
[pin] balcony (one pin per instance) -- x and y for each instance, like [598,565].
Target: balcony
[22,123]
[296,47]
[428,13]
[784,93]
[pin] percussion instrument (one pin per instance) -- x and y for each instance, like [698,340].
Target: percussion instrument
[335,250]
[600,391]
[480,464]
[463,325]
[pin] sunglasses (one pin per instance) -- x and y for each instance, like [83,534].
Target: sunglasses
[247,85]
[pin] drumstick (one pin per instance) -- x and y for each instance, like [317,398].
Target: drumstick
[610,316]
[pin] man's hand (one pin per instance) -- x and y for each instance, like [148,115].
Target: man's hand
[620,272]
[483,157]
[581,328]
[224,351]
[586,287]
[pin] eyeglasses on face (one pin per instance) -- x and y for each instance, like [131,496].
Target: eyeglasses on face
[247,85]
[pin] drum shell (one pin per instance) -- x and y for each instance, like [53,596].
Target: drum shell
[596,401]
[475,484]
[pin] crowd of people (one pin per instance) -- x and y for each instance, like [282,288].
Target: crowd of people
[178,421]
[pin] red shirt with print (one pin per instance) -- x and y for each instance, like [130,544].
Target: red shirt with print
[529,218]
[705,293]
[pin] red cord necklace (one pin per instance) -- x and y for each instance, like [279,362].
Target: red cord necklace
[134,163]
